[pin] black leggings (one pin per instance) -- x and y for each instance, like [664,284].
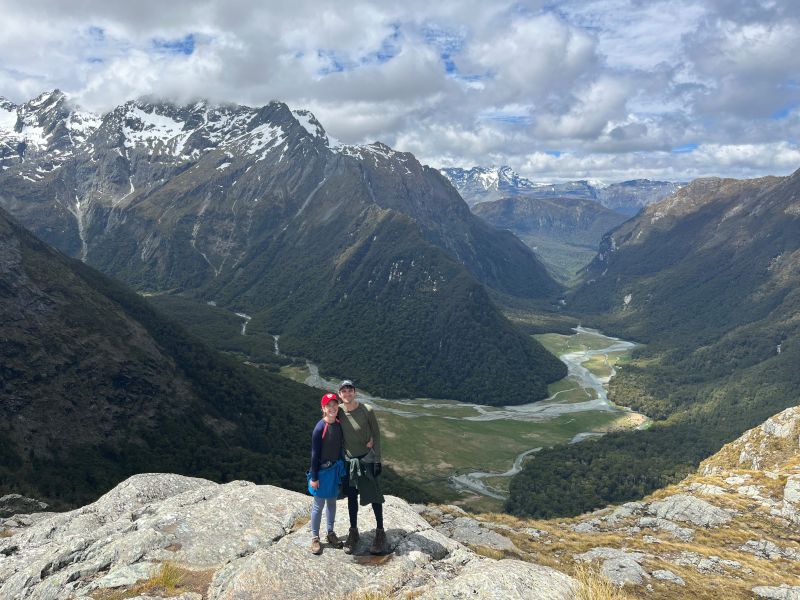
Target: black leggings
[352,509]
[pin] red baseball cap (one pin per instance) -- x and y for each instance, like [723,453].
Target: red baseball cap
[329,398]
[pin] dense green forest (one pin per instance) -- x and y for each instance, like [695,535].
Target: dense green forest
[703,398]
[108,387]
[425,301]
[720,326]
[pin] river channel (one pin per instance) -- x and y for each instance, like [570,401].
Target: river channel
[457,437]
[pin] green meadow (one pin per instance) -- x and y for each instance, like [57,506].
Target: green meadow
[428,441]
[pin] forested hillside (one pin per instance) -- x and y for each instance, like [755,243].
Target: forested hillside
[709,280]
[96,386]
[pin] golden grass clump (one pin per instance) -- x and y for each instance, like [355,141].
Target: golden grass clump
[488,552]
[168,580]
[593,586]
[168,577]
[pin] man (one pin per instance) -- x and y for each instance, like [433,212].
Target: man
[362,447]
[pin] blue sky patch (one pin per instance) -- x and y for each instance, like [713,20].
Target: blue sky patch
[555,153]
[335,63]
[390,47]
[784,112]
[507,118]
[183,45]
[685,149]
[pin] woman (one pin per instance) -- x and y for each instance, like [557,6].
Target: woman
[327,468]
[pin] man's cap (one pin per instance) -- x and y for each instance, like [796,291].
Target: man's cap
[346,383]
[327,398]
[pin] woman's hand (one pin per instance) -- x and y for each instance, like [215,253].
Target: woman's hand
[370,443]
[315,484]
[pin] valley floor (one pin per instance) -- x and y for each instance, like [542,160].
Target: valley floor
[466,453]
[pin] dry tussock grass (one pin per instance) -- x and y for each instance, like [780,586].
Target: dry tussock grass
[487,552]
[169,580]
[593,586]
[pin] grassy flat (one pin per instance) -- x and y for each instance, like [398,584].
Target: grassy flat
[428,441]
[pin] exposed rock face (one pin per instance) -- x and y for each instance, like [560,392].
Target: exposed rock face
[249,540]
[764,448]
[15,504]
[618,566]
[783,592]
[683,507]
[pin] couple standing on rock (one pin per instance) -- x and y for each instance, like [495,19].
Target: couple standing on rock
[346,450]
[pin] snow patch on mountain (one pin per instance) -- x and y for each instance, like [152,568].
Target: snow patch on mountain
[150,128]
[8,118]
[309,122]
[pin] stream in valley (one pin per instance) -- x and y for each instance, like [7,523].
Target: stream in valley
[589,356]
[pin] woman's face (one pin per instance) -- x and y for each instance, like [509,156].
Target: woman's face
[331,409]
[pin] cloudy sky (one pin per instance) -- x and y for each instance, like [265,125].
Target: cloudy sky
[605,89]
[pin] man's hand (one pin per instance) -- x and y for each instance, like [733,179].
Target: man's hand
[377,468]
[315,484]
[370,443]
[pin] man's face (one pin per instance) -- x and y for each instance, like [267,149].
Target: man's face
[348,394]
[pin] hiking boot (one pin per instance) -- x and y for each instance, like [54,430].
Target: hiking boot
[351,541]
[334,540]
[379,543]
[316,547]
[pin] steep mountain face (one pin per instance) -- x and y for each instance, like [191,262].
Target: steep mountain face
[726,249]
[710,279]
[565,232]
[481,184]
[95,386]
[253,209]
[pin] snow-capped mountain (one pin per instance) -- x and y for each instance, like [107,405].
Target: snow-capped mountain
[482,184]
[257,209]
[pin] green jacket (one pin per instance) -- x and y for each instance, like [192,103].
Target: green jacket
[362,477]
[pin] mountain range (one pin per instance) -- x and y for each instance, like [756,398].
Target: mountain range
[484,184]
[359,257]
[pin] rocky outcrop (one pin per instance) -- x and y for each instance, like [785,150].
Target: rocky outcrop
[15,504]
[732,525]
[687,508]
[246,541]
